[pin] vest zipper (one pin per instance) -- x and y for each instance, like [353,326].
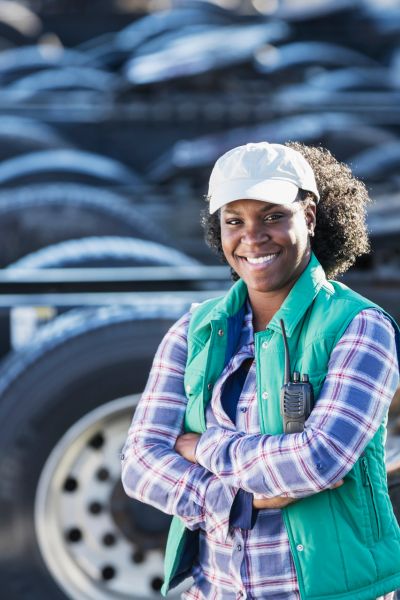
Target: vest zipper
[370,496]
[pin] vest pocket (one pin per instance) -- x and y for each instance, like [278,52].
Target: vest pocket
[370,499]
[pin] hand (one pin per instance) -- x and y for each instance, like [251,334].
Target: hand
[275,502]
[282,501]
[186,446]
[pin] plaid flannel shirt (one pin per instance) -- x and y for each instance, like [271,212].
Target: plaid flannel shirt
[235,563]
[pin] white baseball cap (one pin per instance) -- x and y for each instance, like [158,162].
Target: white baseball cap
[260,171]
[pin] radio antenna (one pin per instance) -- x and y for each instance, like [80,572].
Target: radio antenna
[287,358]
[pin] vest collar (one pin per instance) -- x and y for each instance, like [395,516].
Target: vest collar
[293,308]
[300,297]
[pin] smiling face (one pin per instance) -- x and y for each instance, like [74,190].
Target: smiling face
[267,244]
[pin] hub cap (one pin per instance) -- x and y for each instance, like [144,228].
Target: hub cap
[97,543]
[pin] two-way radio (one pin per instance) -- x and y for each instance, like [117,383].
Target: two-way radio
[296,396]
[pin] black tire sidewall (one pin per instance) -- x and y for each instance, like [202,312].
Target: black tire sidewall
[35,412]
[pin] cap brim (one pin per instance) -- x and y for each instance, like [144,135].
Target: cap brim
[275,191]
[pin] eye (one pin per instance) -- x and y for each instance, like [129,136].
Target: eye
[232,221]
[273,217]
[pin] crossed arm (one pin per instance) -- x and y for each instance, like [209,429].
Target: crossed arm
[152,471]
[198,477]
[186,446]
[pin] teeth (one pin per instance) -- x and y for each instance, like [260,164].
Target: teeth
[261,259]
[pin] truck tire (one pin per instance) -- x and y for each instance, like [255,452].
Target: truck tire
[100,252]
[19,135]
[18,62]
[67,528]
[67,164]
[74,78]
[35,216]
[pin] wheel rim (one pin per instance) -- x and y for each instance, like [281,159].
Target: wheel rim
[78,500]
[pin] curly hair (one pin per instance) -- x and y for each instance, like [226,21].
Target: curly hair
[341,234]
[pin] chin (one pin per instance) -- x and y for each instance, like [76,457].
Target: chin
[262,287]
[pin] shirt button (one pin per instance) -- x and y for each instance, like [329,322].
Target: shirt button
[264,345]
[300,547]
[239,548]
[220,332]
[243,409]
[264,395]
[209,386]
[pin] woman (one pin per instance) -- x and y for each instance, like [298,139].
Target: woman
[260,512]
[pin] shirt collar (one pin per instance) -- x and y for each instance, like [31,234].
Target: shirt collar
[294,306]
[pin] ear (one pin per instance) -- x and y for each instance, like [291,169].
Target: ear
[310,212]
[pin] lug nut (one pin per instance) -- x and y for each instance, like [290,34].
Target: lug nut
[108,572]
[70,484]
[109,539]
[74,535]
[103,474]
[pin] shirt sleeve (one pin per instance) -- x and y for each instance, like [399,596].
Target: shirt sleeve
[361,380]
[152,471]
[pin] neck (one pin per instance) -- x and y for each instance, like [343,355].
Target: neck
[264,306]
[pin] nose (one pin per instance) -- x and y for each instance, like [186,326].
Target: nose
[254,234]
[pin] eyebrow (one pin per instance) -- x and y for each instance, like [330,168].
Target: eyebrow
[266,208]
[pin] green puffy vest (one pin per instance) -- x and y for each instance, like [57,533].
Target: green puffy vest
[345,542]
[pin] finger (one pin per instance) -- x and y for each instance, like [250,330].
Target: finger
[337,484]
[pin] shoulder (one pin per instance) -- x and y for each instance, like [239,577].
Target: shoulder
[346,306]
[336,291]
[200,313]
[180,328]
[373,333]
[368,345]
[374,323]
[174,342]
[203,308]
